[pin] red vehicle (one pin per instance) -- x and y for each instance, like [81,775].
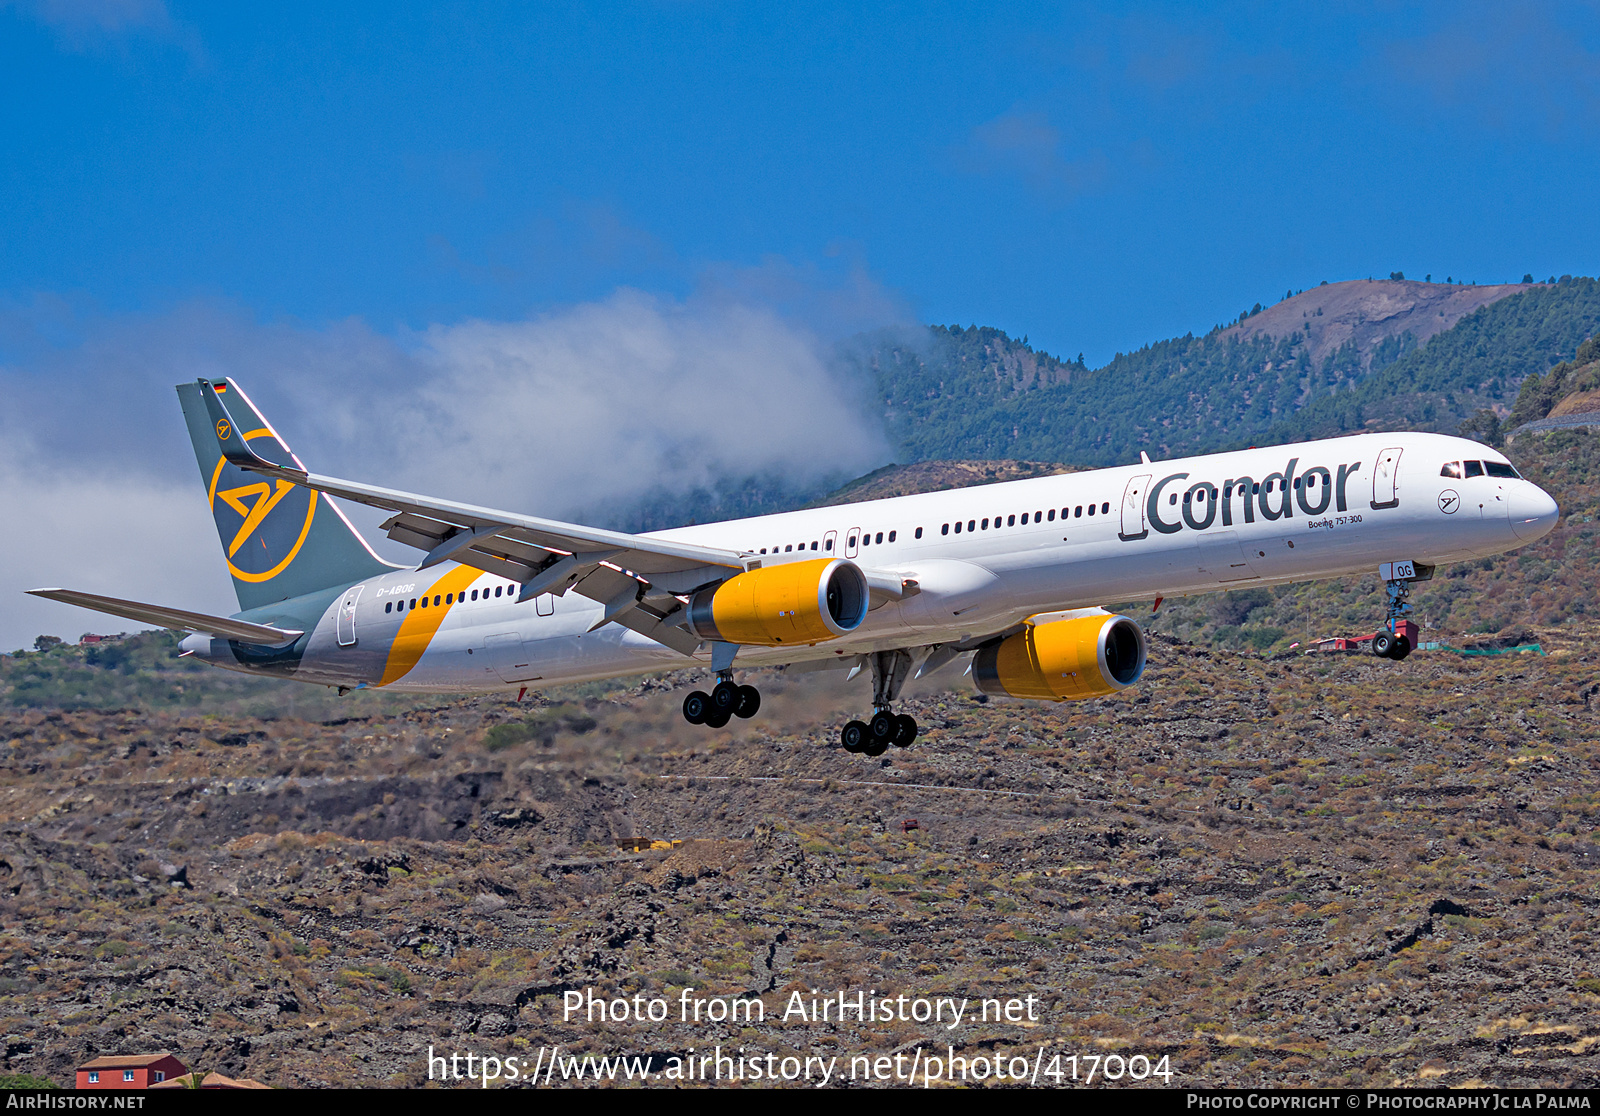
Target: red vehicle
[1406,638]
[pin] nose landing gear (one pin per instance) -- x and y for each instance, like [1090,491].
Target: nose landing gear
[1399,635]
[873,738]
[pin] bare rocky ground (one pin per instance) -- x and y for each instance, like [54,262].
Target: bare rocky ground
[1290,871]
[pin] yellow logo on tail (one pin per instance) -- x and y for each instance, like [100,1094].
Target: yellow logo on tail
[254,500]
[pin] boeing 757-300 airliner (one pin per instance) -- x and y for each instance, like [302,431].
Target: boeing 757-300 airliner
[1012,574]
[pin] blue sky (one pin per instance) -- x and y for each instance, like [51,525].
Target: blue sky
[1092,176]
[343,202]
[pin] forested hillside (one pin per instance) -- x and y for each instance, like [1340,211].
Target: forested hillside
[975,393]
[1481,363]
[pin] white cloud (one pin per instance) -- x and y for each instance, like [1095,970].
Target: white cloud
[593,405]
[122,536]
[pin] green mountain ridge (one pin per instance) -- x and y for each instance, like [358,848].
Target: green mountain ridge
[975,393]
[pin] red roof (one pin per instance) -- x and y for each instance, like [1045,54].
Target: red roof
[125,1061]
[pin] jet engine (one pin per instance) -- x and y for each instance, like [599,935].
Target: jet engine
[1082,656]
[797,602]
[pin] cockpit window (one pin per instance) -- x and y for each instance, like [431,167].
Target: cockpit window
[1499,469]
[1474,468]
[1451,469]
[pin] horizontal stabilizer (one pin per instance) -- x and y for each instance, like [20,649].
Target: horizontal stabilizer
[241,630]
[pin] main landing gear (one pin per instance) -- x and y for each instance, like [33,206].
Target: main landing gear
[726,701]
[873,738]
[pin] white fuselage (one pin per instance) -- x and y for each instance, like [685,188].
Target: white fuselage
[982,558]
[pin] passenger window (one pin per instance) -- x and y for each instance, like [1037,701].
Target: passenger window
[449,598]
[435,600]
[1011,521]
[891,534]
[958,528]
[1038,517]
[389,607]
[1052,515]
[1474,468]
[1452,469]
[880,536]
[1499,469]
[827,544]
[813,544]
[424,602]
[1255,488]
[1173,500]
[790,547]
[972,525]
[1105,508]
[497,589]
[945,530]
[1078,512]
[985,524]
[1091,506]
[852,542]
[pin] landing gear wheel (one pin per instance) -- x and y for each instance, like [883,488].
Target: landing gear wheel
[725,697]
[749,702]
[875,748]
[696,706]
[854,737]
[1402,648]
[905,731]
[882,728]
[718,718]
[1383,645]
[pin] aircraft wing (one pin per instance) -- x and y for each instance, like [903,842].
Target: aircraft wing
[161,616]
[545,555]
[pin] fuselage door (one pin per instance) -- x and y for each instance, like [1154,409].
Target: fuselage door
[512,659]
[1386,480]
[1133,502]
[347,616]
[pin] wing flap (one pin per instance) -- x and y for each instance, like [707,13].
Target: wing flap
[162,616]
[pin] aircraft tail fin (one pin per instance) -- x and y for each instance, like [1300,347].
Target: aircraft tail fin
[280,539]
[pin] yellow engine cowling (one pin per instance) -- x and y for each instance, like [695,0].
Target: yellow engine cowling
[1063,660]
[797,602]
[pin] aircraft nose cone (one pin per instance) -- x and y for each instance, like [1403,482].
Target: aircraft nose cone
[1531,511]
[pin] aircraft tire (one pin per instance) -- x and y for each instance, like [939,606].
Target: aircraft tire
[1383,645]
[875,748]
[725,697]
[1402,648]
[696,706]
[854,737]
[882,728]
[749,702]
[718,718]
[905,730]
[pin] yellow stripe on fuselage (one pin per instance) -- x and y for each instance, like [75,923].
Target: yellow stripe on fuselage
[420,625]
